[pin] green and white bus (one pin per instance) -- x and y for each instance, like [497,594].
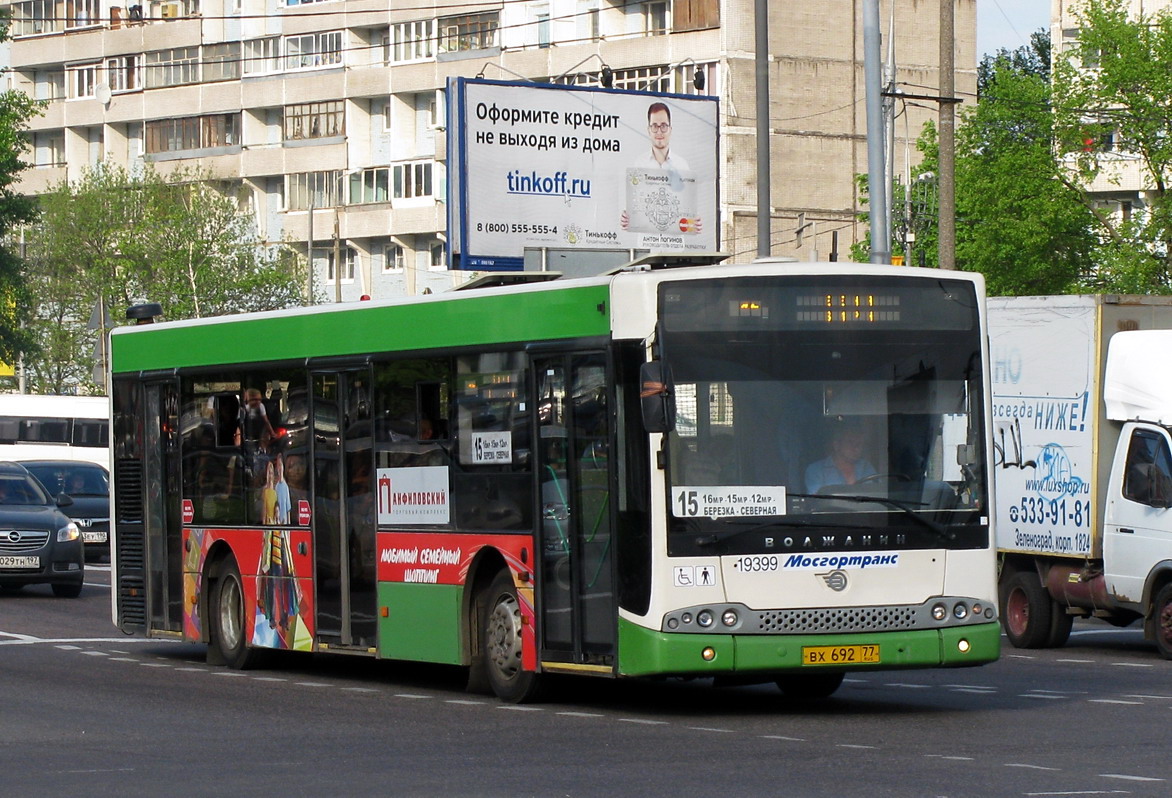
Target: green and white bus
[618,476]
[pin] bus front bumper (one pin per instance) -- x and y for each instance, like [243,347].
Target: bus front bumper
[647,652]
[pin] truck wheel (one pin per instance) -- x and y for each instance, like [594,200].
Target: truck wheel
[502,644]
[1060,623]
[1163,625]
[1026,610]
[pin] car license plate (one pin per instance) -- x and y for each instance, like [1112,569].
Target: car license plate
[94,537]
[8,561]
[839,655]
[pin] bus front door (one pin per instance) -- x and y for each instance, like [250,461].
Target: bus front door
[343,510]
[576,599]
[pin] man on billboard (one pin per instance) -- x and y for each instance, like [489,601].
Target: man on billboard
[661,187]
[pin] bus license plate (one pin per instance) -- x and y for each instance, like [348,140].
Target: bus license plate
[839,655]
[20,562]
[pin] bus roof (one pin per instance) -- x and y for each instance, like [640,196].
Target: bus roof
[538,311]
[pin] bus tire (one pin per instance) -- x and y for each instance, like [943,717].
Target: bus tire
[228,621]
[502,644]
[1162,628]
[809,686]
[1026,610]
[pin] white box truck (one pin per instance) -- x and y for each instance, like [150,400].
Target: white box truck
[1082,424]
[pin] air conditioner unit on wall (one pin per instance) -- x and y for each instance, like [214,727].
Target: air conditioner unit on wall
[170,10]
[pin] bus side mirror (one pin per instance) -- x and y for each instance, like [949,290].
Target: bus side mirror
[657,397]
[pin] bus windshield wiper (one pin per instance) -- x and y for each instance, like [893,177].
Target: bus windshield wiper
[758,526]
[939,529]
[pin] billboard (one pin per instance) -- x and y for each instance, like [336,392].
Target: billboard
[539,165]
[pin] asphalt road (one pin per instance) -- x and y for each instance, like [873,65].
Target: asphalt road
[86,711]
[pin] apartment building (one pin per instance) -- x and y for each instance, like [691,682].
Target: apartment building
[330,114]
[1122,185]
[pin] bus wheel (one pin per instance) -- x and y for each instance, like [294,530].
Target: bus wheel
[502,644]
[1163,613]
[1026,610]
[227,621]
[809,686]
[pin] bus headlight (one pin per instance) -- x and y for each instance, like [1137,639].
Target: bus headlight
[939,612]
[960,611]
[704,618]
[729,618]
[67,533]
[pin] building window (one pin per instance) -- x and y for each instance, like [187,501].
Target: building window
[412,41]
[262,56]
[435,251]
[468,32]
[122,73]
[412,179]
[370,185]
[221,61]
[684,79]
[588,20]
[83,78]
[174,67]
[313,50]
[302,2]
[394,258]
[652,78]
[36,16]
[314,120]
[82,13]
[306,190]
[542,25]
[325,255]
[647,19]
[655,18]
[49,84]
[192,133]
[49,148]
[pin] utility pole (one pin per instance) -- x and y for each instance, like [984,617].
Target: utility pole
[876,155]
[947,176]
[309,253]
[761,67]
[337,260]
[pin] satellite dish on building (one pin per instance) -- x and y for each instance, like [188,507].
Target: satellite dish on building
[102,93]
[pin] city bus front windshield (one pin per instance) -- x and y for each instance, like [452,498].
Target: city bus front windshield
[827,412]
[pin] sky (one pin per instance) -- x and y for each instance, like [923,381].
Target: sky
[1009,23]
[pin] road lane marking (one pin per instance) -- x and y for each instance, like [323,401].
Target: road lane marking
[1126,777]
[1028,767]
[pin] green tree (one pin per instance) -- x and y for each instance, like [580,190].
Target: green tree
[1021,220]
[1113,130]
[113,239]
[16,109]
